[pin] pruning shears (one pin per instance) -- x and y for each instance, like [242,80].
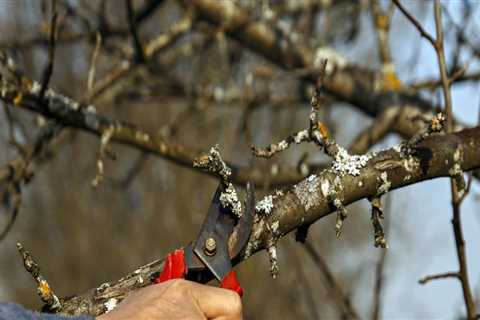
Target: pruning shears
[221,238]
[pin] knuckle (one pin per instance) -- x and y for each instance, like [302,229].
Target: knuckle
[177,289]
[178,284]
[235,304]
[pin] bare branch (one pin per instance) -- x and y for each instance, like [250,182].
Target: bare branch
[292,208]
[139,54]
[47,72]
[445,275]
[377,217]
[415,22]
[44,289]
[332,284]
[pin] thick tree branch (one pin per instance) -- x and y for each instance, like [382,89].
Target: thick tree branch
[305,203]
[23,93]
[366,89]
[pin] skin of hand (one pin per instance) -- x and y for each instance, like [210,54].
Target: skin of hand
[178,300]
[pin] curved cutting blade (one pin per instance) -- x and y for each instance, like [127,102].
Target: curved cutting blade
[228,234]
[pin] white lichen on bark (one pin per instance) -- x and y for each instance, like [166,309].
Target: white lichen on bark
[110,304]
[333,193]
[213,162]
[272,255]
[265,205]
[335,59]
[229,199]
[307,191]
[346,164]
[456,172]
[456,169]
[301,136]
[385,185]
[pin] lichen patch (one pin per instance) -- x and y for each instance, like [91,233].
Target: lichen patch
[265,205]
[385,186]
[307,191]
[229,199]
[346,164]
[110,304]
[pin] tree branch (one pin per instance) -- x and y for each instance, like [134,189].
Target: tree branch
[304,203]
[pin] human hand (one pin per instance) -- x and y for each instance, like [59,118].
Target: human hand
[178,299]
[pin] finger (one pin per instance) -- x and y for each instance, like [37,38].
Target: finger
[217,302]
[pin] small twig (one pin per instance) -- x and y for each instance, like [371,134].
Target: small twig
[272,256]
[379,272]
[317,132]
[43,288]
[20,173]
[93,64]
[12,199]
[11,130]
[456,182]
[332,284]
[274,148]
[415,22]
[310,295]
[445,275]
[139,53]
[381,22]
[132,172]
[435,125]
[48,71]
[104,140]
[458,76]
[377,217]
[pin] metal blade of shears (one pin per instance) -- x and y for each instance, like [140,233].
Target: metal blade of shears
[211,245]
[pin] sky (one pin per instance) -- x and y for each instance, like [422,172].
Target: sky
[422,213]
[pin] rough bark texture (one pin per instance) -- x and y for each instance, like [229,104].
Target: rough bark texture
[305,203]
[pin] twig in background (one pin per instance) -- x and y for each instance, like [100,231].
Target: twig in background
[445,275]
[18,172]
[104,141]
[47,72]
[93,66]
[332,284]
[139,54]
[457,183]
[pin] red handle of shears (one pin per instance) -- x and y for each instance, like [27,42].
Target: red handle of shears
[175,268]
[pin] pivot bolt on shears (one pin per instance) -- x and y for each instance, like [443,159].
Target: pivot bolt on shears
[222,237]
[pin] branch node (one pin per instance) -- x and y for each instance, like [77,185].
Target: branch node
[435,125]
[213,162]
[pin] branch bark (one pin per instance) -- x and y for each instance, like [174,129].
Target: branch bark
[304,204]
